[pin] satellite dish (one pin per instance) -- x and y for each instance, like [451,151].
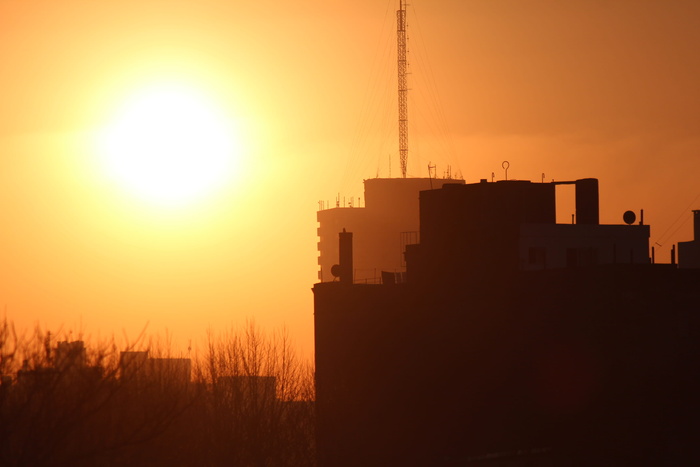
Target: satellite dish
[629,217]
[336,270]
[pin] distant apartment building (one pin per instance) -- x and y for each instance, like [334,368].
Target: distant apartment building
[65,366]
[381,228]
[70,355]
[137,366]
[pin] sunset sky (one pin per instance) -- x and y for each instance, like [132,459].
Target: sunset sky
[304,93]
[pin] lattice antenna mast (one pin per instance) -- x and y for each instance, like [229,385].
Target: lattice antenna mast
[403,86]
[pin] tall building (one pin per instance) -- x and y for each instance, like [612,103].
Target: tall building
[381,229]
[513,341]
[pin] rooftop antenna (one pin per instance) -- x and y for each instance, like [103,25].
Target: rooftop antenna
[403,87]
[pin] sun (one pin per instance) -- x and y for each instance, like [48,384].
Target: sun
[169,145]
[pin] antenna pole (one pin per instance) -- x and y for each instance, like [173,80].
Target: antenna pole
[403,87]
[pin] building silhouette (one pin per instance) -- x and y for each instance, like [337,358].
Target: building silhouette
[64,366]
[513,340]
[382,228]
[138,367]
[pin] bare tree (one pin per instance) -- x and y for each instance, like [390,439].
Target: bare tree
[63,402]
[260,403]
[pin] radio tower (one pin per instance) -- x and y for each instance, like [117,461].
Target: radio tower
[403,87]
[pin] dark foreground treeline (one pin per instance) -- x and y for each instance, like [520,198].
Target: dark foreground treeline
[246,400]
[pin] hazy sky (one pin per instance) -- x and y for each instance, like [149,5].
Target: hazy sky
[574,89]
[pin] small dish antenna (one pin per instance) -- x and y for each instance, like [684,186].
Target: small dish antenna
[336,270]
[629,217]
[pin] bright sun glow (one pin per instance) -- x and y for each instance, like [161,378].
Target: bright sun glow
[169,145]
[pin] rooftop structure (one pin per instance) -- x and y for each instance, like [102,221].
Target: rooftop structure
[511,225]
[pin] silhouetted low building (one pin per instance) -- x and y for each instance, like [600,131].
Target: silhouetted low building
[137,366]
[66,366]
[514,341]
[70,355]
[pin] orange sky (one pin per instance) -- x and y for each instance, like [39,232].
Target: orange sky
[571,89]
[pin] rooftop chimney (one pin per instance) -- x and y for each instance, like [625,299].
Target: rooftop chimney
[587,210]
[344,270]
